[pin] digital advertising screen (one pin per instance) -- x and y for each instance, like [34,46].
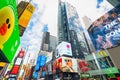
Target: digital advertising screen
[9,32]
[64,48]
[66,64]
[105,31]
[69,64]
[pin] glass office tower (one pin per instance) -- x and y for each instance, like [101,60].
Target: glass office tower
[70,30]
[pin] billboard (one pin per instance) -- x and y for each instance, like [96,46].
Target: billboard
[15,69]
[25,11]
[66,64]
[18,61]
[64,48]
[26,15]
[83,66]
[9,33]
[105,31]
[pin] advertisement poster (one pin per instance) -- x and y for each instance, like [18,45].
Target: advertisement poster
[9,33]
[26,15]
[66,64]
[105,31]
[83,66]
[69,64]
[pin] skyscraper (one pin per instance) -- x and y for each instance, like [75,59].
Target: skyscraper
[45,41]
[70,29]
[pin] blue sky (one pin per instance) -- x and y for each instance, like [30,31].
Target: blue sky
[45,19]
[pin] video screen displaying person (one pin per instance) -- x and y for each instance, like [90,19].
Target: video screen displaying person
[105,31]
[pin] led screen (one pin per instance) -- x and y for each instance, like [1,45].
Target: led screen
[64,48]
[66,64]
[105,31]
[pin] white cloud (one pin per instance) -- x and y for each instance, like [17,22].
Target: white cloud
[88,8]
[50,16]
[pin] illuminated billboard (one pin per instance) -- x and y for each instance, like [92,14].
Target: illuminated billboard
[15,69]
[66,64]
[64,48]
[105,31]
[9,33]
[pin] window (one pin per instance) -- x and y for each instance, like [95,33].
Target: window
[110,61]
[74,42]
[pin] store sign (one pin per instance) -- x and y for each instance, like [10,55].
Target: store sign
[111,70]
[15,69]
[18,61]
[103,71]
[102,53]
[105,31]
[9,32]
[86,75]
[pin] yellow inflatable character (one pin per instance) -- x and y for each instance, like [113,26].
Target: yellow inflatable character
[6,24]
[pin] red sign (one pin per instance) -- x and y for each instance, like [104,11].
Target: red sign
[15,69]
[21,53]
[83,65]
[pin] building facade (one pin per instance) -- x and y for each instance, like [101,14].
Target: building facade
[70,30]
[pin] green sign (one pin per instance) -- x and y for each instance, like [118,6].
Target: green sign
[111,75]
[111,70]
[104,71]
[87,75]
[9,33]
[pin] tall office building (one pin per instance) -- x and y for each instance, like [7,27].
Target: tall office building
[49,42]
[70,29]
[45,41]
